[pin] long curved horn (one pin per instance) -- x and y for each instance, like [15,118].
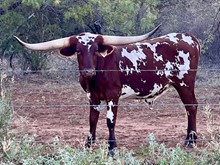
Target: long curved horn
[49,45]
[120,40]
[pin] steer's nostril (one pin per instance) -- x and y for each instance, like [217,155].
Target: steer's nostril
[88,72]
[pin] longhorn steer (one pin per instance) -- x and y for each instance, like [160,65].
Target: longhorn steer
[110,70]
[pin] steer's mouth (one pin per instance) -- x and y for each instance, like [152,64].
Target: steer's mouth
[88,73]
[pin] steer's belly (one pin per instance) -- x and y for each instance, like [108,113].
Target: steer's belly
[143,93]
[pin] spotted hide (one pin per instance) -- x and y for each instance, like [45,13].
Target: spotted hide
[138,70]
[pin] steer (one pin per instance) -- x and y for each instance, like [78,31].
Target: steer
[114,67]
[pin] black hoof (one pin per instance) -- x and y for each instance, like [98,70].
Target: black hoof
[192,145]
[89,142]
[88,145]
[191,140]
[112,144]
[111,153]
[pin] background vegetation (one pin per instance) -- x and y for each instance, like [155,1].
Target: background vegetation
[36,21]
[40,20]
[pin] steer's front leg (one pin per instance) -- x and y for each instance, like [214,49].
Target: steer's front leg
[111,121]
[93,120]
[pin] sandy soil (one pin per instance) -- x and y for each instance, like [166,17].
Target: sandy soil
[57,107]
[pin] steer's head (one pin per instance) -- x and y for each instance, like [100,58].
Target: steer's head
[86,47]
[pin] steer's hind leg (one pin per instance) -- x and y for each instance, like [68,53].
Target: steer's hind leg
[189,100]
[93,120]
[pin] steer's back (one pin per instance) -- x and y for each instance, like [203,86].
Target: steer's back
[148,68]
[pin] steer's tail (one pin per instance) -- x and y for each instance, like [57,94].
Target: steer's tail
[198,46]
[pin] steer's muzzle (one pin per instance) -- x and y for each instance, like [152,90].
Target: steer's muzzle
[88,73]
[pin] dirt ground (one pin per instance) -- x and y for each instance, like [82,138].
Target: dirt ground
[50,107]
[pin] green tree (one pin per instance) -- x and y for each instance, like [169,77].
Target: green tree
[36,20]
[41,20]
[115,16]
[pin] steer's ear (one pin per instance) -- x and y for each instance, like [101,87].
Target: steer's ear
[105,50]
[70,51]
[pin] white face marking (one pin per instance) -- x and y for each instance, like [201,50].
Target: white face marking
[187,39]
[110,114]
[134,56]
[183,84]
[128,92]
[185,66]
[86,38]
[101,106]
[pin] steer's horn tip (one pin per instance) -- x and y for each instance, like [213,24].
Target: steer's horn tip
[154,30]
[157,27]
[16,37]
[19,40]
